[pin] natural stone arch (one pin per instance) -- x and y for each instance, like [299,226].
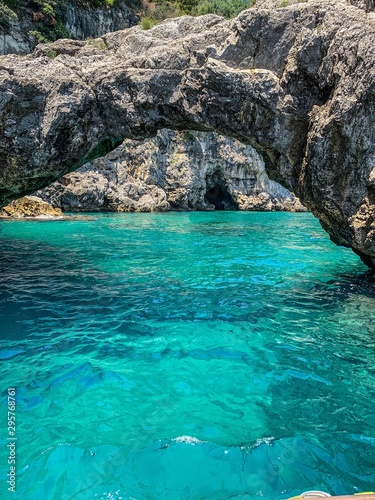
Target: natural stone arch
[297,84]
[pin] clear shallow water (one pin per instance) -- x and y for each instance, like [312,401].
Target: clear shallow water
[186,356]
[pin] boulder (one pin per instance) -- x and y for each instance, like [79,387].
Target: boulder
[30,207]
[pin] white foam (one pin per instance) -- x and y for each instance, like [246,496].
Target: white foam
[187,439]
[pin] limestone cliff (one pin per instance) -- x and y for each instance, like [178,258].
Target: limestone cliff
[297,84]
[173,171]
[22,29]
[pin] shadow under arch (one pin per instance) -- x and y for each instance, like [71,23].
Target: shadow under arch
[217,193]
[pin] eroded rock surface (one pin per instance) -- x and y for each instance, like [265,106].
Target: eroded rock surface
[297,84]
[173,171]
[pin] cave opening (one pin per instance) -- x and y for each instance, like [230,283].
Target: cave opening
[217,194]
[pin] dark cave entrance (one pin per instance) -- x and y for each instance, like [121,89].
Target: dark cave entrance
[218,195]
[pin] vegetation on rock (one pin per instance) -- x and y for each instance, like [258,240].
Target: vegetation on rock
[154,11]
[48,16]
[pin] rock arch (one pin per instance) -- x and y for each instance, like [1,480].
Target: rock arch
[298,84]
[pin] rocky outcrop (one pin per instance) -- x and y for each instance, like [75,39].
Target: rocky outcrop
[23,29]
[173,171]
[297,84]
[30,207]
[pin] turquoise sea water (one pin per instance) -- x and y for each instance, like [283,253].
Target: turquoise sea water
[185,356]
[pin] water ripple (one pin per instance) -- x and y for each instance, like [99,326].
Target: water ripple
[199,355]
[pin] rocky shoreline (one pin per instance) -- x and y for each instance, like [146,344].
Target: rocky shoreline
[30,207]
[34,208]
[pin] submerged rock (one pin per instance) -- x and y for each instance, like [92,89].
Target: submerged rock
[30,207]
[173,171]
[296,83]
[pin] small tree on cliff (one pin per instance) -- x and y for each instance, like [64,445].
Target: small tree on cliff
[188,6]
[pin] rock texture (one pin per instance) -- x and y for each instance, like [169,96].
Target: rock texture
[30,207]
[367,5]
[81,21]
[173,171]
[84,21]
[297,84]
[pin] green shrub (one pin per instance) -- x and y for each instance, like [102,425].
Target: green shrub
[12,4]
[6,15]
[60,30]
[225,8]
[154,11]
[48,10]
[46,6]
[38,35]
[188,6]
[102,45]
[147,22]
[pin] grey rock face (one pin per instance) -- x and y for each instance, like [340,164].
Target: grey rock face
[297,84]
[85,22]
[173,171]
[13,39]
[367,5]
[81,21]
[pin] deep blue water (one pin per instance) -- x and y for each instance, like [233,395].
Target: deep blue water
[185,356]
